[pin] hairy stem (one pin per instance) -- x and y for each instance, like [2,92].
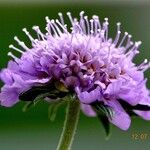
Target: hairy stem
[70,125]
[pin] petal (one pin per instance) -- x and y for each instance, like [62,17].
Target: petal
[144,114]
[120,118]
[145,101]
[89,97]
[6,76]
[72,81]
[87,110]
[132,97]
[9,96]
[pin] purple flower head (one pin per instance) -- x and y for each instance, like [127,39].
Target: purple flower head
[85,62]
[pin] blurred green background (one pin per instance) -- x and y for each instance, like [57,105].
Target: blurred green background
[33,130]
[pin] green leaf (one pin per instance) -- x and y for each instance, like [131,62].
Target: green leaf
[129,107]
[106,124]
[104,113]
[52,110]
[27,106]
[41,91]
[33,93]
[30,104]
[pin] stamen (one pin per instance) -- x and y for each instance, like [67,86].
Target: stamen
[22,44]
[146,67]
[70,18]
[117,38]
[118,34]
[76,27]
[102,35]
[28,34]
[118,26]
[37,29]
[137,44]
[91,24]
[62,26]
[18,50]
[48,29]
[143,63]
[12,55]
[82,23]
[55,25]
[134,50]
[51,25]
[98,21]
[87,24]
[123,39]
[96,26]
[61,18]
[106,28]
[129,43]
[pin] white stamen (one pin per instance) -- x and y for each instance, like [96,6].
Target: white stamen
[118,34]
[87,24]
[146,67]
[106,28]
[137,44]
[28,34]
[55,25]
[129,43]
[51,25]
[22,44]
[61,18]
[47,28]
[143,64]
[91,24]
[117,37]
[70,18]
[62,26]
[96,26]
[118,26]
[18,50]
[82,23]
[37,29]
[123,39]
[12,55]
[98,21]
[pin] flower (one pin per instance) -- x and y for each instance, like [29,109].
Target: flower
[84,62]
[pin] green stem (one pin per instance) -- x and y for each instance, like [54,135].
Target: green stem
[70,125]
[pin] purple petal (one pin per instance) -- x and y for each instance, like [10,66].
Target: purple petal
[9,96]
[144,114]
[120,118]
[89,97]
[6,76]
[87,110]
[72,81]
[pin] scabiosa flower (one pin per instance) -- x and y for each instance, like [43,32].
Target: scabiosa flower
[81,61]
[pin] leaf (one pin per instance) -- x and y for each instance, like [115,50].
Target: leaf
[106,124]
[104,112]
[27,106]
[129,107]
[31,94]
[35,92]
[52,110]
[101,108]
[30,104]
